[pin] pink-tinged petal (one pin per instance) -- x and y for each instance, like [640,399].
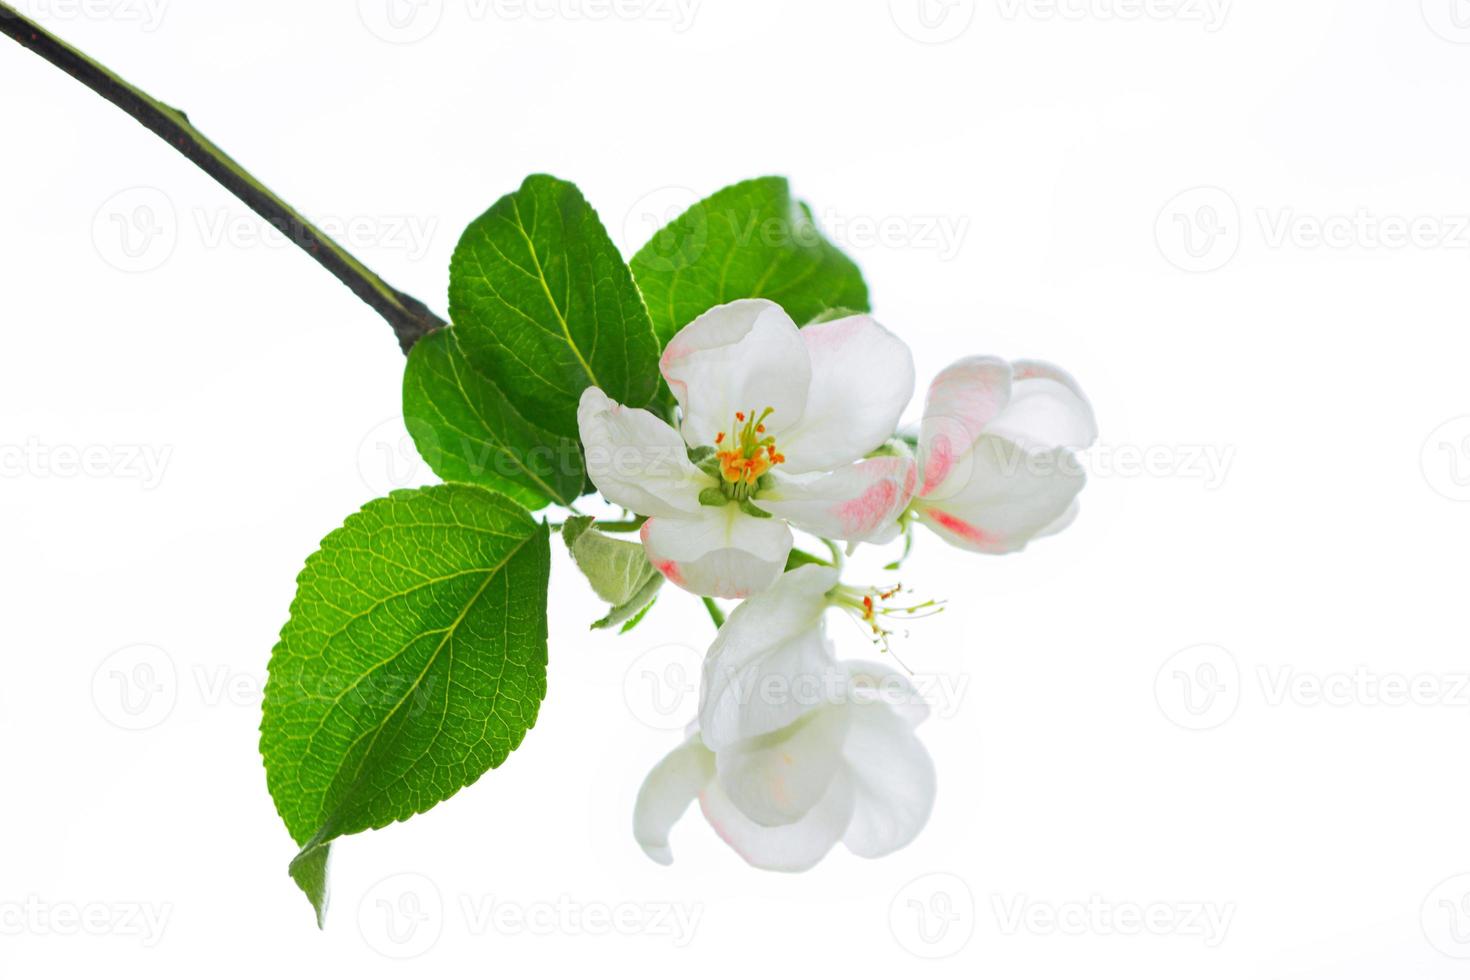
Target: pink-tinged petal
[718,552]
[771,662]
[797,846]
[1008,496]
[636,460]
[858,502]
[1047,409]
[776,780]
[962,401]
[741,357]
[893,782]
[862,379]
[666,794]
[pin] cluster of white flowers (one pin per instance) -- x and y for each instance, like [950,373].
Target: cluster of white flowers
[784,428]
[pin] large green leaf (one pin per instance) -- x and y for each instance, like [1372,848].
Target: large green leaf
[414,660]
[752,240]
[468,432]
[545,306]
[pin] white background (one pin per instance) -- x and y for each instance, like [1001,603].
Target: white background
[1277,479]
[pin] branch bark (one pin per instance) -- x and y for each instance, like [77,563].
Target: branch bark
[409,318]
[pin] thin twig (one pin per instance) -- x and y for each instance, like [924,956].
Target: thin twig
[409,318]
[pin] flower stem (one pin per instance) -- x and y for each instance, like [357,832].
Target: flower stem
[409,318]
[715,612]
[612,527]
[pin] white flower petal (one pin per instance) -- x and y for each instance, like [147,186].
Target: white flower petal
[1010,495]
[962,401]
[741,357]
[771,645]
[1061,523]
[776,779]
[1047,409]
[666,794]
[637,460]
[795,847]
[893,782]
[862,379]
[718,552]
[876,683]
[858,502]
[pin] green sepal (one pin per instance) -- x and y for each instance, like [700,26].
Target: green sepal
[749,509]
[617,570]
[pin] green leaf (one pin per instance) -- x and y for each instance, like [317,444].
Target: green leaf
[749,240]
[468,432]
[309,871]
[414,660]
[629,614]
[546,307]
[618,571]
[798,558]
[632,624]
[836,313]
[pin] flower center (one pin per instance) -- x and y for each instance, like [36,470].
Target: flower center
[879,608]
[746,453]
